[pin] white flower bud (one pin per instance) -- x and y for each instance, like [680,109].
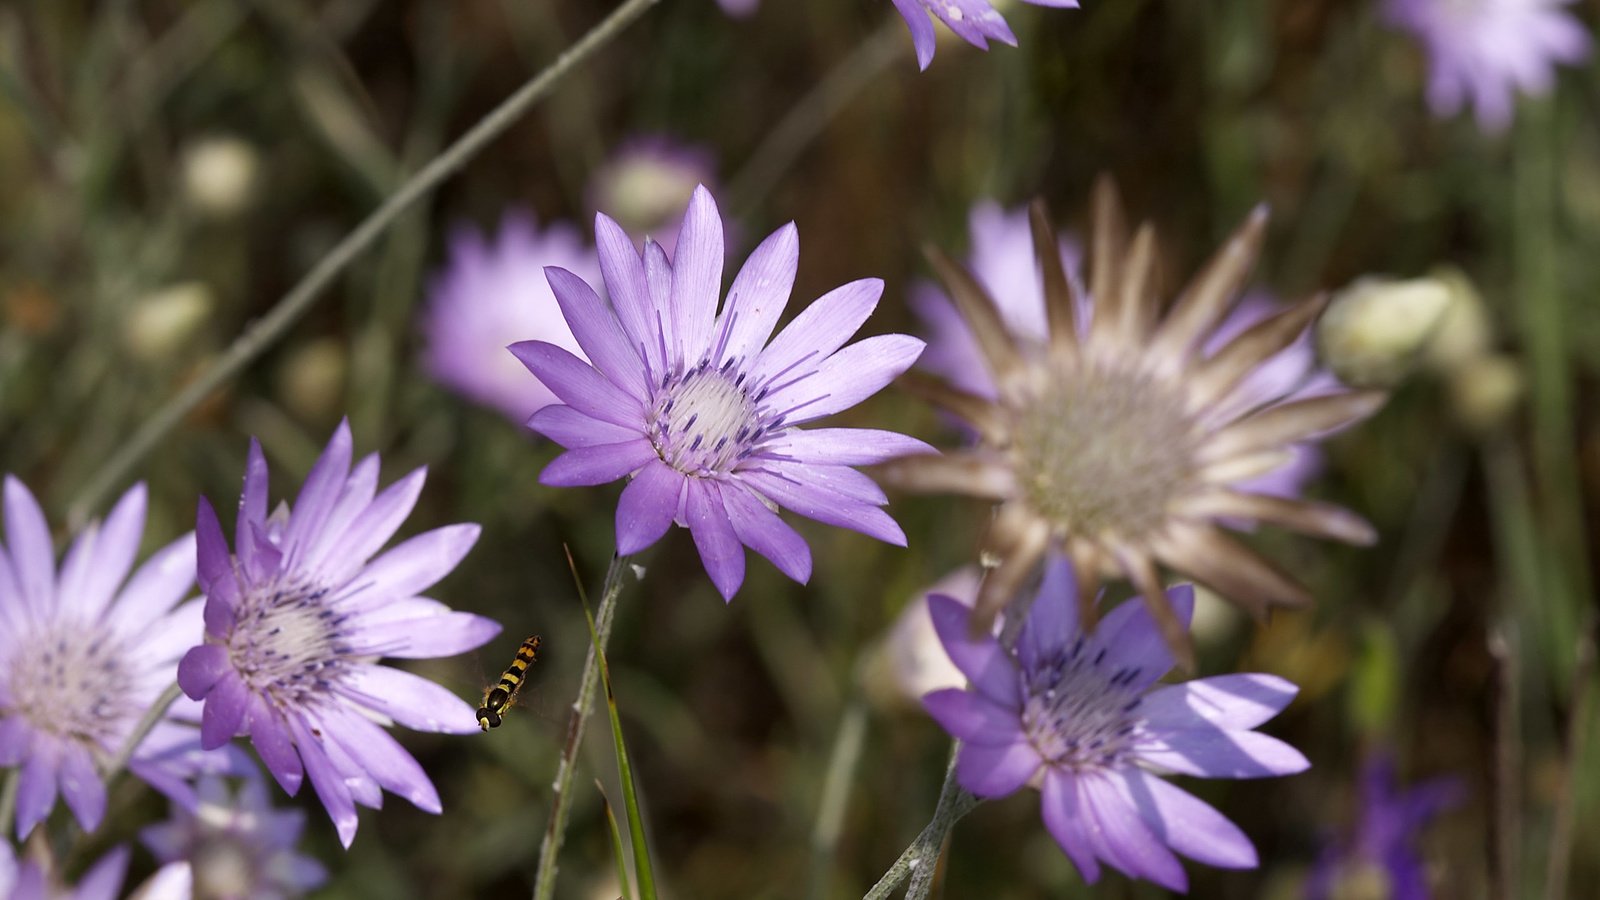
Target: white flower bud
[311,379]
[1484,391]
[1375,329]
[1465,333]
[159,324]
[219,175]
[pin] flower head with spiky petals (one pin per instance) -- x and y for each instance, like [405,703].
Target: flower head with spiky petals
[297,617]
[1483,52]
[1080,717]
[85,651]
[236,844]
[702,412]
[492,293]
[975,21]
[1120,439]
[31,880]
[1380,857]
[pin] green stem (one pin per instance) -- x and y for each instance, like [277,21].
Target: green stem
[545,882]
[288,310]
[8,800]
[920,859]
[847,743]
[152,717]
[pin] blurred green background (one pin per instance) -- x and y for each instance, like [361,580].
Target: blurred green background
[1199,109]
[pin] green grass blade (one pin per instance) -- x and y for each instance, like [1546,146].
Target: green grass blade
[623,890]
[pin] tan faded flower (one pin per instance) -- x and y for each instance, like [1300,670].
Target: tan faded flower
[1126,433]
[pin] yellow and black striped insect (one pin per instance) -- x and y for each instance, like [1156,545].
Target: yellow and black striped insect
[500,698]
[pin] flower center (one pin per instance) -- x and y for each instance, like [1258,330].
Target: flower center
[70,683]
[705,422]
[1077,713]
[288,642]
[1104,450]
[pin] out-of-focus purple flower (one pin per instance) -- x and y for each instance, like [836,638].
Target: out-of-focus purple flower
[28,880]
[85,651]
[235,845]
[646,183]
[297,616]
[1080,717]
[1482,52]
[974,21]
[492,293]
[739,8]
[702,412]
[1382,849]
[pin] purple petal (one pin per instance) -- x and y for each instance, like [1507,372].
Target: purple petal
[971,717]
[847,378]
[571,429]
[597,331]
[319,493]
[375,751]
[253,502]
[411,700]
[922,36]
[980,658]
[1237,701]
[1133,641]
[759,295]
[156,586]
[995,770]
[1128,843]
[113,552]
[841,480]
[1186,823]
[426,638]
[697,275]
[257,557]
[167,639]
[104,881]
[714,537]
[328,782]
[844,446]
[373,527]
[826,506]
[623,272]
[226,703]
[36,786]
[201,668]
[760,529]
[33,556]
[16,735]
[269,734]
[419,563]
[81,786]
[818,331]
[1053,616]
[354,499]
[214,564]
[598,465]
[579,384]
[1216,753]
[647,507]
[1067,820]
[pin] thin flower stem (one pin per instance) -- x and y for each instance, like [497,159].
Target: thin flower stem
[836,789]
[544,885]
[152,716]
[8,799]
[288,310]
[1559,862]
[921,858]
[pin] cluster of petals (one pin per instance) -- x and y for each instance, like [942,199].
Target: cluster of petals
[1122,433]
[492,292]
[701,412]
[27,879]
[975,21]
[1080,716]
[297,617]
[233,844]
[1382,848]
[1483,53]
[84,652]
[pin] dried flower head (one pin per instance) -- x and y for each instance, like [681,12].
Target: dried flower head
[1120,439]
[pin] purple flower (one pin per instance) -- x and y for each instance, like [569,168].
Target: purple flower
[701,411]
[235,845]
[1483,51]
[1080,717]
[1382,850]
[28,880]
[738,8]
[975,21]
[491,294]
[297,617]
[84,651]
[648,180]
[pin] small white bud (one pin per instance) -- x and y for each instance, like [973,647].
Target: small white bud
[1375,329]
[1484,391]
[311,380]
[160,323]
[1465,332]
[219,175]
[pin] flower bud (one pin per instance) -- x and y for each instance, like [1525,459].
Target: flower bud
[1465,332]
[219,175]
[1375,329]
[1484,391]
[159,324]
[910,660]
[311,380]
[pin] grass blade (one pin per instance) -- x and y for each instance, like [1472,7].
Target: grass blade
[623,891]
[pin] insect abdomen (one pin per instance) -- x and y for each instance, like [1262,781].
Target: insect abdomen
[500,698]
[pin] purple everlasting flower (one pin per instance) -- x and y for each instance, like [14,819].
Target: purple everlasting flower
[492,293]
[1382,849]
[738,8]
[1483,51]
[235,845]
[29,880]
[974,21]
[299,614]
[701,411]
[84,651]
[1080,717]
